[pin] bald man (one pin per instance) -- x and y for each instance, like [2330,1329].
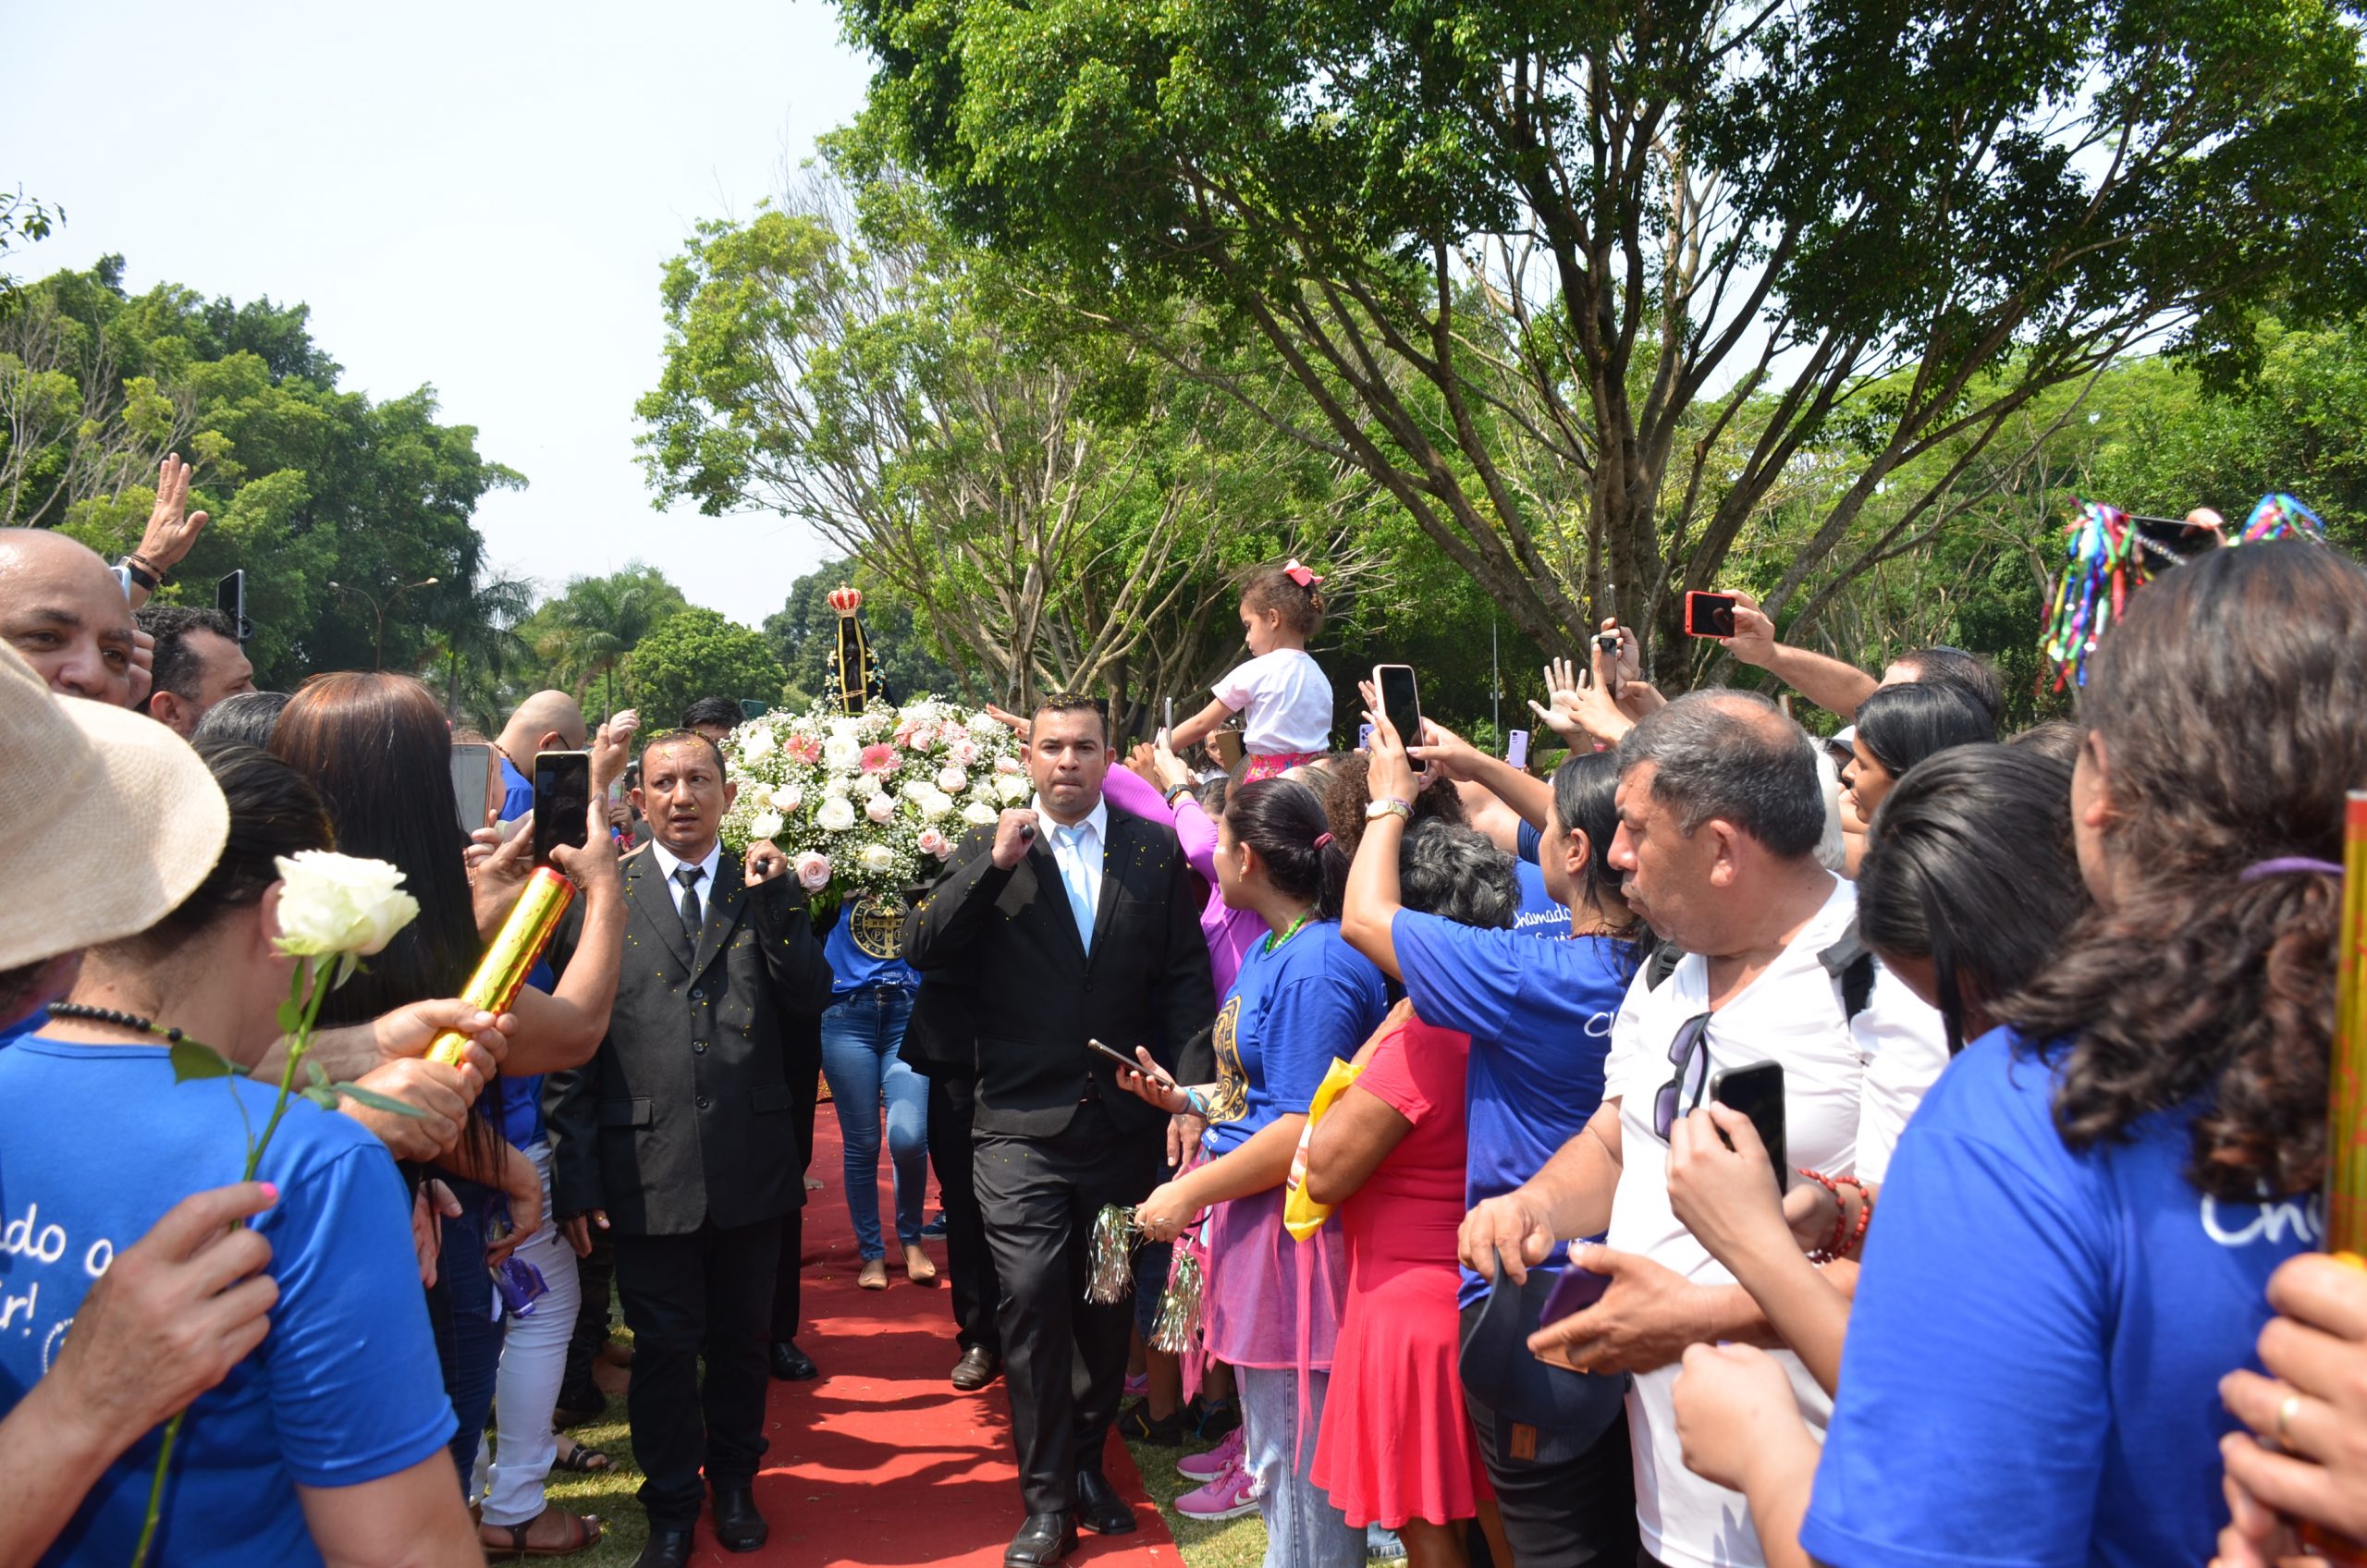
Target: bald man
[63,610]
[548,721]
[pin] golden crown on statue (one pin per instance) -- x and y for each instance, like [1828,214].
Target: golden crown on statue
[846,601]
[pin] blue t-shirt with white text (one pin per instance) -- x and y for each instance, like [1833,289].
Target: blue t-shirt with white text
[97,1143]
[1539,1015]
[2038,1338]
[1289,1013]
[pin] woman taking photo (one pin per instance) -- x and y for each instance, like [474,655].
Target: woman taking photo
[1302,999]
[1397,1450]
[378,749]
[2079,1227]
[328,1442]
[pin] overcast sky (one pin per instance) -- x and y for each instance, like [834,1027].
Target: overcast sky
[476,197]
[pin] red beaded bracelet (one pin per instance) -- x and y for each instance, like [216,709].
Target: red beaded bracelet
[1834,1248]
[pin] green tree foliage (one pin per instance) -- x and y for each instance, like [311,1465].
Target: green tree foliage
[1060,509]
[1585,289]
[803,633]
[306,485]
[586,634]
[699,653]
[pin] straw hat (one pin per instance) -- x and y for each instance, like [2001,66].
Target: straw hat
[113,819]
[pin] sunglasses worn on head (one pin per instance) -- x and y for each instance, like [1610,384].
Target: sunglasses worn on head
[1692,1037]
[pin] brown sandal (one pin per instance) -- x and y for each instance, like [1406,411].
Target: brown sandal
[583,1529]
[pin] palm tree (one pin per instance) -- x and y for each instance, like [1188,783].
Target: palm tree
[483,648]
[589,630]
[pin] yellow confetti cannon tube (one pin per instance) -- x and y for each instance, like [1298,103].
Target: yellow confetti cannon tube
[502,971]
[2347,1100]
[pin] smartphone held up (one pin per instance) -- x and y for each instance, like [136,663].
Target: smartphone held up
[1710,615]
[562,797]
[1401,704]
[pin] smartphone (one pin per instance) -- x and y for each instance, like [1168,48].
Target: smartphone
[1709,615]
[1363,737]
[1167,724]
[1155,1074]
[231,598]
[1401,704]
[1516,748]
[1758,1092]
[562,796]
[1576,1290]
[1607,642]
[471,770]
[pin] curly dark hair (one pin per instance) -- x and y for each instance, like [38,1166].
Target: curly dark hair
[1347,789]
[2227,711]
[1273,588]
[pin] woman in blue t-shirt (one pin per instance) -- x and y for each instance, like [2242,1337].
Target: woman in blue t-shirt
[2073,1244]
[328,1438]
[1539,1015]
[1302,999]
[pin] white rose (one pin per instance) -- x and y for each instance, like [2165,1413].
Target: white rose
[1013,787]
[881,809]
[934,802]
[877,859]
[952,779]
[756,742]
[985,723]
[334,903]
[842,753]
[813,871]
[977,813]
[836,786]
[764,825]
[845,727]
[788,798]
[837,815]
[932,842]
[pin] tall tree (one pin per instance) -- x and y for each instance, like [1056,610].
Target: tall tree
[1578,285]
[1059,509]
[700,652]
[589,631]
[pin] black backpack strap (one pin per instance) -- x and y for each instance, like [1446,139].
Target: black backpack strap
[1851,964]
[1665,957]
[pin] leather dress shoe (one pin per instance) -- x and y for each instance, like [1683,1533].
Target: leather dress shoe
[738,1525]
[792,1364]
[1098,1506]
[977,1367]
[1042,1541]
[666,1548]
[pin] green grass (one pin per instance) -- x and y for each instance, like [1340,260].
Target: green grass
[1235,1543]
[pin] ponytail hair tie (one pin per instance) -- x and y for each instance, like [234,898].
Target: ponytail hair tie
[2289,865]
[1322,840]
[1300,574]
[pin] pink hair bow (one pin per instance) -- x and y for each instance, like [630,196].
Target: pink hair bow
[1299,574]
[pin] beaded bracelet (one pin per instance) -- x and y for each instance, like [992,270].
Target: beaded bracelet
[1838,1246]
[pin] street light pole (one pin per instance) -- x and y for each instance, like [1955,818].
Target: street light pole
[379,644]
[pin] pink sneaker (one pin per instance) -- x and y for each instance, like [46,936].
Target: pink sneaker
[1208,1466]
[1230,1496]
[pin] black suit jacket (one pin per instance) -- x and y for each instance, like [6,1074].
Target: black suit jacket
[684,1114]
[1035,996]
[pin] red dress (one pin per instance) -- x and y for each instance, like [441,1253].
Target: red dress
[1395,1443]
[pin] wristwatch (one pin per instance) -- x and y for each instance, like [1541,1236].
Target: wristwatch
[1380,809]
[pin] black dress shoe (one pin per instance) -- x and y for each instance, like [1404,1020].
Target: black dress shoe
[792,1364]
[666,1548]
[1098,1506]
[977,1368]
[1042,1541]
[738,1525]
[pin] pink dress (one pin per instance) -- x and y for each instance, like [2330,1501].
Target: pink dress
[1396,1442]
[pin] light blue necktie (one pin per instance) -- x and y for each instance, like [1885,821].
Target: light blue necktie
[1072,878]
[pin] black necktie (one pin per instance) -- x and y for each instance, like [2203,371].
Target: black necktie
[688,875]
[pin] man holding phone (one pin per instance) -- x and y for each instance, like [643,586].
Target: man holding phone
[1720,814]
[1077,922]
[198,663]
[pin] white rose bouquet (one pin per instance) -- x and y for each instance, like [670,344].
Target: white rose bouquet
[871,803]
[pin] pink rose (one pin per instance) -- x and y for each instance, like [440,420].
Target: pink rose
[963,753]
[813,871]
[1006,764]
[935,843]
[881,758]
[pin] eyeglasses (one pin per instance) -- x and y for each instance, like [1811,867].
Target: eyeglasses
[1691,1037]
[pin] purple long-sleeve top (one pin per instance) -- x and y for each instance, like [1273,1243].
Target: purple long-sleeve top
[1227,931]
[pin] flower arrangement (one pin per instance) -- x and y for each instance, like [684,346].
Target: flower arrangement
[868,804]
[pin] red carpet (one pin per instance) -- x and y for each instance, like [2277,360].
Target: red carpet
[881,1462]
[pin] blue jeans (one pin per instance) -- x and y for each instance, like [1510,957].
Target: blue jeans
[1303,1530]
[861,1034]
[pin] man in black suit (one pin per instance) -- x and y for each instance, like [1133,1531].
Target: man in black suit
[676,1138]
[1075,921]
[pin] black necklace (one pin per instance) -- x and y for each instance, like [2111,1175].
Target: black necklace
[109,1015]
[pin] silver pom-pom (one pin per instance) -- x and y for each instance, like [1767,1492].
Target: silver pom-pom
[1110,1276]
[1179,1308]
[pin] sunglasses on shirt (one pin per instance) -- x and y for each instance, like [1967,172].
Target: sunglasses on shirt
[1691,1042]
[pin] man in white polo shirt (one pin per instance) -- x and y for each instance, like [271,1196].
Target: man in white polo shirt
[1720,815]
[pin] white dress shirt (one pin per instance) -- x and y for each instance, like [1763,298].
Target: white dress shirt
[703,889]
[1080,863]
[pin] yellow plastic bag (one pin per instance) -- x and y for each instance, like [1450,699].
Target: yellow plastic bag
[1302,1215]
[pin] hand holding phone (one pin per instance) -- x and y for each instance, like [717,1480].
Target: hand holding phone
[1401,705]
[1756,1091]
[1516,748]
[472,782]
[562,801]
[1709,615]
